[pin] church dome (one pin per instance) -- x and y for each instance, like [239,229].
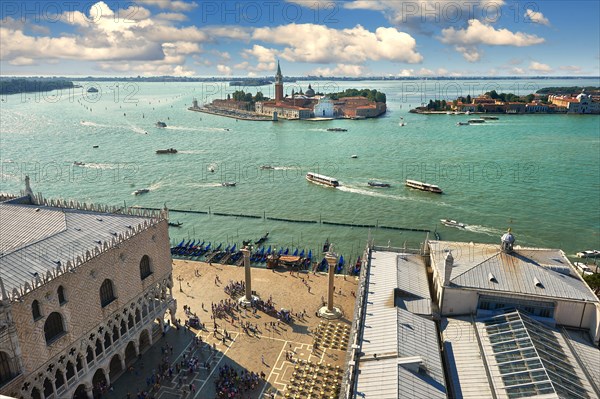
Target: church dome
[309,92]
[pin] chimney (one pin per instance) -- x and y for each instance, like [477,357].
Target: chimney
[448,263]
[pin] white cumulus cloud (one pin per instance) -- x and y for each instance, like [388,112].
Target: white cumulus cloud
[536,17]
[327,45]
[340,70]
[480,33]
[539,67]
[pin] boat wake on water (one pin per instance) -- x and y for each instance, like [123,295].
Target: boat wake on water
[490,231]
[93,124]
[375,193]
[192,152]
[203,185]
[93,165]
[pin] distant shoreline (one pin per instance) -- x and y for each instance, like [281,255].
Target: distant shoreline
[164,79]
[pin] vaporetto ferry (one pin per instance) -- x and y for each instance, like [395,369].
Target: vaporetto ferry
[322,179]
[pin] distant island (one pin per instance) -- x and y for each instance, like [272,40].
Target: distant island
[308,105]
[16,86]
[168,78]
[250,82]
[570,100]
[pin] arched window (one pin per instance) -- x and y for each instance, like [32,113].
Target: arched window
[107,294]
[36,311]
[5,372]
[145,270]
[70,370]
[62,299]
[54,327]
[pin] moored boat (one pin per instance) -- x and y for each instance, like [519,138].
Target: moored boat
[173,224]
[432,188]
[374,183]
[322,179]
[591,253]
[452,223]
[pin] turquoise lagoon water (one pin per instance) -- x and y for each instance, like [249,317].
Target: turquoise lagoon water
[539,174]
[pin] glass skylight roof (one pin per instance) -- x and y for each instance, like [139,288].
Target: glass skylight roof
[530,358]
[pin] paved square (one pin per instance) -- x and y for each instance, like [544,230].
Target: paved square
[262,349]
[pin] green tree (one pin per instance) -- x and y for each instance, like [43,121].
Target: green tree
[493,94]
[530,98]
[469,99]
[593,280]
[259,96]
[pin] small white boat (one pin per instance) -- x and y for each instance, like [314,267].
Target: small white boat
[354,156]
[141,191]
[591,253]
[453,223]
[228,184]
[583,269]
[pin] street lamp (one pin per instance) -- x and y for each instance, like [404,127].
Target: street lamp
[180,279]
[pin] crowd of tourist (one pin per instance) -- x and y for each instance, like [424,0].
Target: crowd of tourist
[231,383]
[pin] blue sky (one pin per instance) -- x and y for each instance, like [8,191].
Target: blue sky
[313,37]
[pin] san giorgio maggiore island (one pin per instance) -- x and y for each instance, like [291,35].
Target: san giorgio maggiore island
[351,104]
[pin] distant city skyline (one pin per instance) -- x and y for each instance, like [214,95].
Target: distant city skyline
[399,38]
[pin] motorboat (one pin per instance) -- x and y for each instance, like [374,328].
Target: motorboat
[228,184]
[161,124]
[462,123]
[141,191]
[167,151]
[452,223]
[374,183]
[432,188]
[476,121]
[353,156]
[173,224]
[267,167]
[322,180]
[489,118]
[337,129]
[583,269]
[591,253]
[78,163]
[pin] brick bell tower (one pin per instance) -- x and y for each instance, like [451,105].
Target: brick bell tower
[278,84]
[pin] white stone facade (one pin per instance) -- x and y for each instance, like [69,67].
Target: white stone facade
[324,108]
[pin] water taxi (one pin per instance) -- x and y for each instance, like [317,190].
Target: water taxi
[267,167]
[167,151]
[591,253]
[476,121]
[337,129]
[141,191]
[321,179]
[452,223]
[228,184]
[374,183]
[432,188]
